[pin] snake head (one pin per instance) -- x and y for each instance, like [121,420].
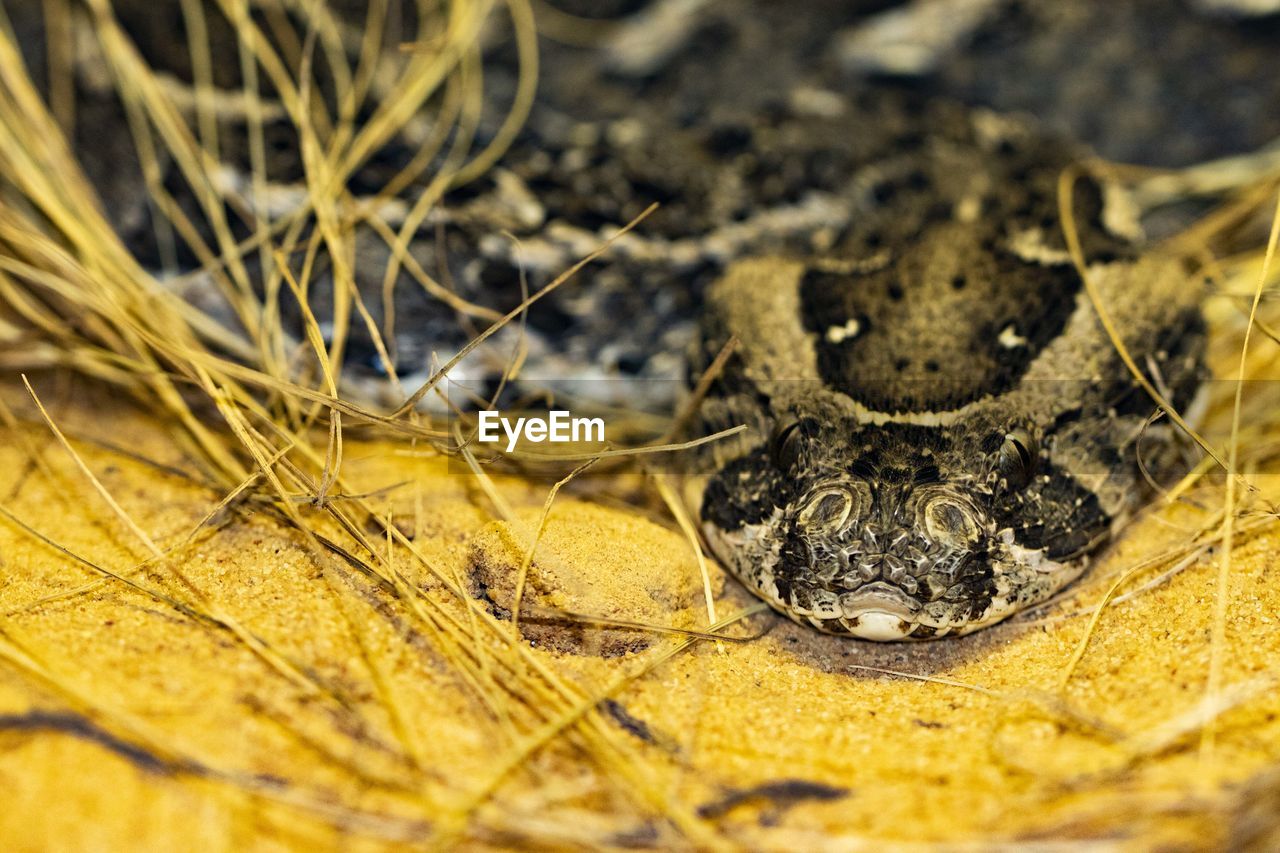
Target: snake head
[901,533]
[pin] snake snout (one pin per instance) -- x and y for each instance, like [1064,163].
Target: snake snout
[909,564]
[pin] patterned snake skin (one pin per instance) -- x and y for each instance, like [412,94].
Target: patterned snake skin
[939,430]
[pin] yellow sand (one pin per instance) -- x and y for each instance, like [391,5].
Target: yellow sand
[337,712]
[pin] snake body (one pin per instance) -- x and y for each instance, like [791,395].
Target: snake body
[940,430]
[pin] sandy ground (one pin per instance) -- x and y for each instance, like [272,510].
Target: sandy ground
[247,691]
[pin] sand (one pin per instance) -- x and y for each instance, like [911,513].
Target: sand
[249,691]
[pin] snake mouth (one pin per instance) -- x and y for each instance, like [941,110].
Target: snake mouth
[879,597]
[879,611]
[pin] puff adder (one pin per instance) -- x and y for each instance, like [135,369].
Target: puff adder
[939,431]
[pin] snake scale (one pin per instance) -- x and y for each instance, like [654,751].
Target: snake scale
[939,429]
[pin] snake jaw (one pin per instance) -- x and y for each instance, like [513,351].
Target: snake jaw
[879,625]
[879,611]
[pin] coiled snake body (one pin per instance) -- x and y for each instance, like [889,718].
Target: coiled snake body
[940,429]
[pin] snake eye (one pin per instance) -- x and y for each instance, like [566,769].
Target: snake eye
[949,521]
[787,441]
[828,509]
[1018,457]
